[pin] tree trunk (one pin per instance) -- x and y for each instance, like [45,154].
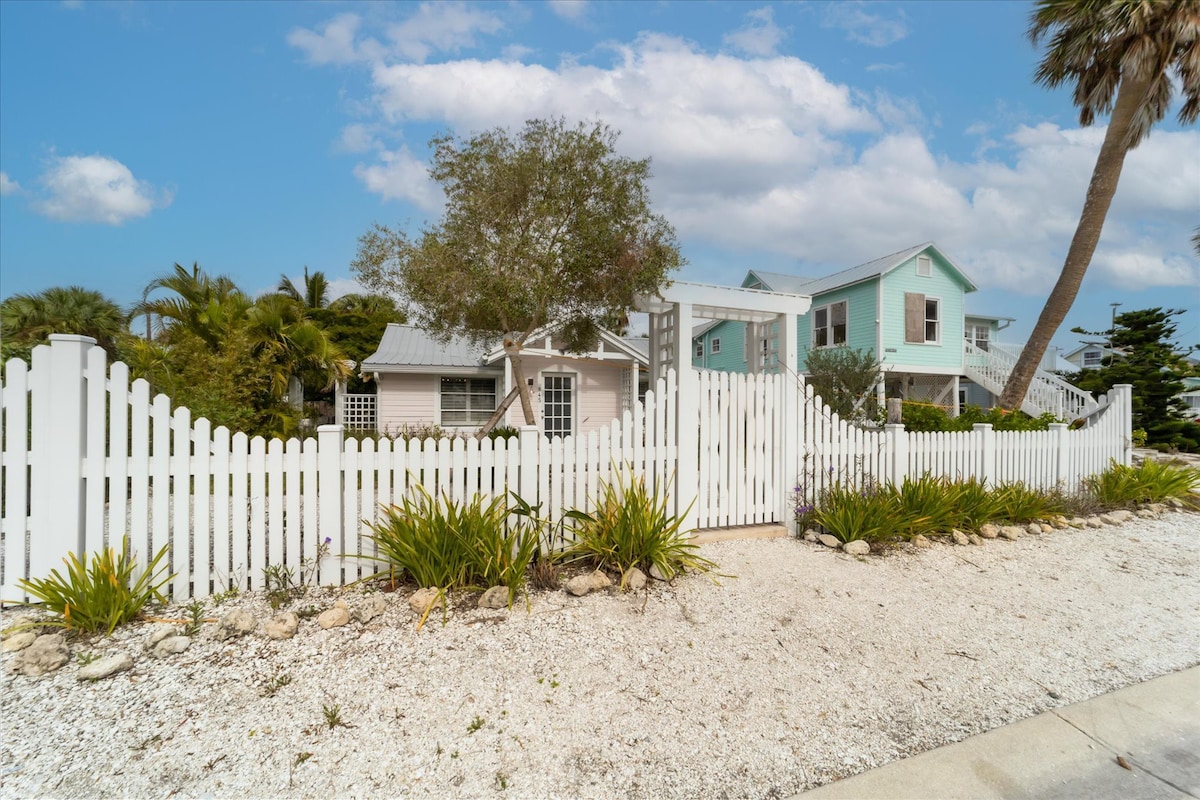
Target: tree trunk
[1105,175]
[514,357]
[482,433]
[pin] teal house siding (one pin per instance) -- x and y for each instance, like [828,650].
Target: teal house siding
[861,306]
[732,356]
[943,284]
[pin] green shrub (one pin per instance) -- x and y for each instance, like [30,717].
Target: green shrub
[1150,482]
[99,597]
[972,503]
[925,505]
[630,527]
[1016,502]
[849,513]
[449,544]
[927,417]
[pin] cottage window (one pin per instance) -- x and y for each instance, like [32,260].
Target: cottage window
[714,346]
[467,401]
[977,335]
[700,349]
[829,325]
[922,319]
[924,266]
[1091,358]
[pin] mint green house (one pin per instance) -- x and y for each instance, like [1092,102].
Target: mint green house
[907,308]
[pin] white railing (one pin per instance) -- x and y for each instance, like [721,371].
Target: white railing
[1047,393]
[88,457]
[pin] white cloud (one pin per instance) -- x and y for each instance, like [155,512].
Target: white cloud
[517,52]
[8,185]
[357,138]
[96,189]
[760,36]
[433,28]
[768,155]
[864,27]
[572,10]
[885,67]
[401,176]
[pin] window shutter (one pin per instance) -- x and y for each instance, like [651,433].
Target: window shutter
[914,317]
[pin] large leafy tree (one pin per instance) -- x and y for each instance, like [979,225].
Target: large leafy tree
[547,225]
[27,320]
[355,323]
[1121,56]
[1145,357]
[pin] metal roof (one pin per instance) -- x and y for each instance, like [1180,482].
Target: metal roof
[406,346]
[872,269]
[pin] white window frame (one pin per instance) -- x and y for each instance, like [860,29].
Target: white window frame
[700,349]
[978,335]
[573,377]
[830,337]
[714,345]
[482,414]
[924,267]
[936,321]
[1095,361]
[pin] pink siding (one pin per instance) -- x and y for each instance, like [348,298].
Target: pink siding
[598,389]
[406,399]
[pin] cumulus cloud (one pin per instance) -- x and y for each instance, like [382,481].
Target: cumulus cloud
[760,36]
[864,27]
[434,28]
[8,185]
[96,189]
[401,176]
[768,155]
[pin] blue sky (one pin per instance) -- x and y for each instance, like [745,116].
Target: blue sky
[801,137]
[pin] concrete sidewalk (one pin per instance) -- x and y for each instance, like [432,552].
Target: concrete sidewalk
[1069,752]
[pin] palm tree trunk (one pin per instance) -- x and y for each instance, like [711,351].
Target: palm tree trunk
[1103,186]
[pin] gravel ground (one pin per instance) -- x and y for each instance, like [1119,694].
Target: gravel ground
[806,667]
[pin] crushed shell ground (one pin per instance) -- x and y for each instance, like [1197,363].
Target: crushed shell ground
[806,667]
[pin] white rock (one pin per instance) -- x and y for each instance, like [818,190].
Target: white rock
[105,667]
[46,654]
[1094,522]
[959,537]
[829,540]
[1121,515]
[634,579]
[283,626]
[172,645]
[659,574]
[234,624]
[589,582]
[18,641]
[334,617]
[1034,528]
[859,547]
[160,632]
[372,606]
[989,531]
[975,538]
[1011,532]
[495,597]
[427,599]
[921,541]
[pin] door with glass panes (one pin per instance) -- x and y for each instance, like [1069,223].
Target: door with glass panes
[558,405]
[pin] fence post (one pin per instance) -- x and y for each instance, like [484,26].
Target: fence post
[330,448]
[791,431]
[897,445]
[987,452]
[1125,398]
[59,446]
[527,480]
[1059,429]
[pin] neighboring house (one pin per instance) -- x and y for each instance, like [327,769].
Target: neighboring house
[420,381]
[1089,355]
[908,309]
[1191,397]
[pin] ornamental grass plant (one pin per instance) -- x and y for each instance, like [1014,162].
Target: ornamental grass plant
[102,595]
[631,527]
[451,544]
[1149,482]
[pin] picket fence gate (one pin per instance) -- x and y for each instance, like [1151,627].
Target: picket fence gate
[88,457]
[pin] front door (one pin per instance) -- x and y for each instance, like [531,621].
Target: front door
[558,405]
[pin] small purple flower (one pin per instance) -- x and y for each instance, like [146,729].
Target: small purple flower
[328,540]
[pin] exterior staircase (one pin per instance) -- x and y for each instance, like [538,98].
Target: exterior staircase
[1047,392]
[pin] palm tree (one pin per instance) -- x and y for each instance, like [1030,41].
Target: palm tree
[202,305]
[27,320]
[316,289]
[1119,55]
[293,344]
[368,305]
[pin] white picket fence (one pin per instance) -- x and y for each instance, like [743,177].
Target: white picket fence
[87,457]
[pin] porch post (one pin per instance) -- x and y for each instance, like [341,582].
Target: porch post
[687,418]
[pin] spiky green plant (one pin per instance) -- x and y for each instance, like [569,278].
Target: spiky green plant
[1149,482]
[630,526]
[109,593]
[1016,502]
[849,513]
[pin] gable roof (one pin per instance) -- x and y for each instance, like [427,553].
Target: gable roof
[1102,346]
[406,346]
[848,277]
